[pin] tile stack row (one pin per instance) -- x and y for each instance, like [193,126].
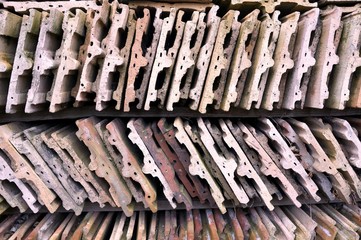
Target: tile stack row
[220,162]
[310,222]
[143,58]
